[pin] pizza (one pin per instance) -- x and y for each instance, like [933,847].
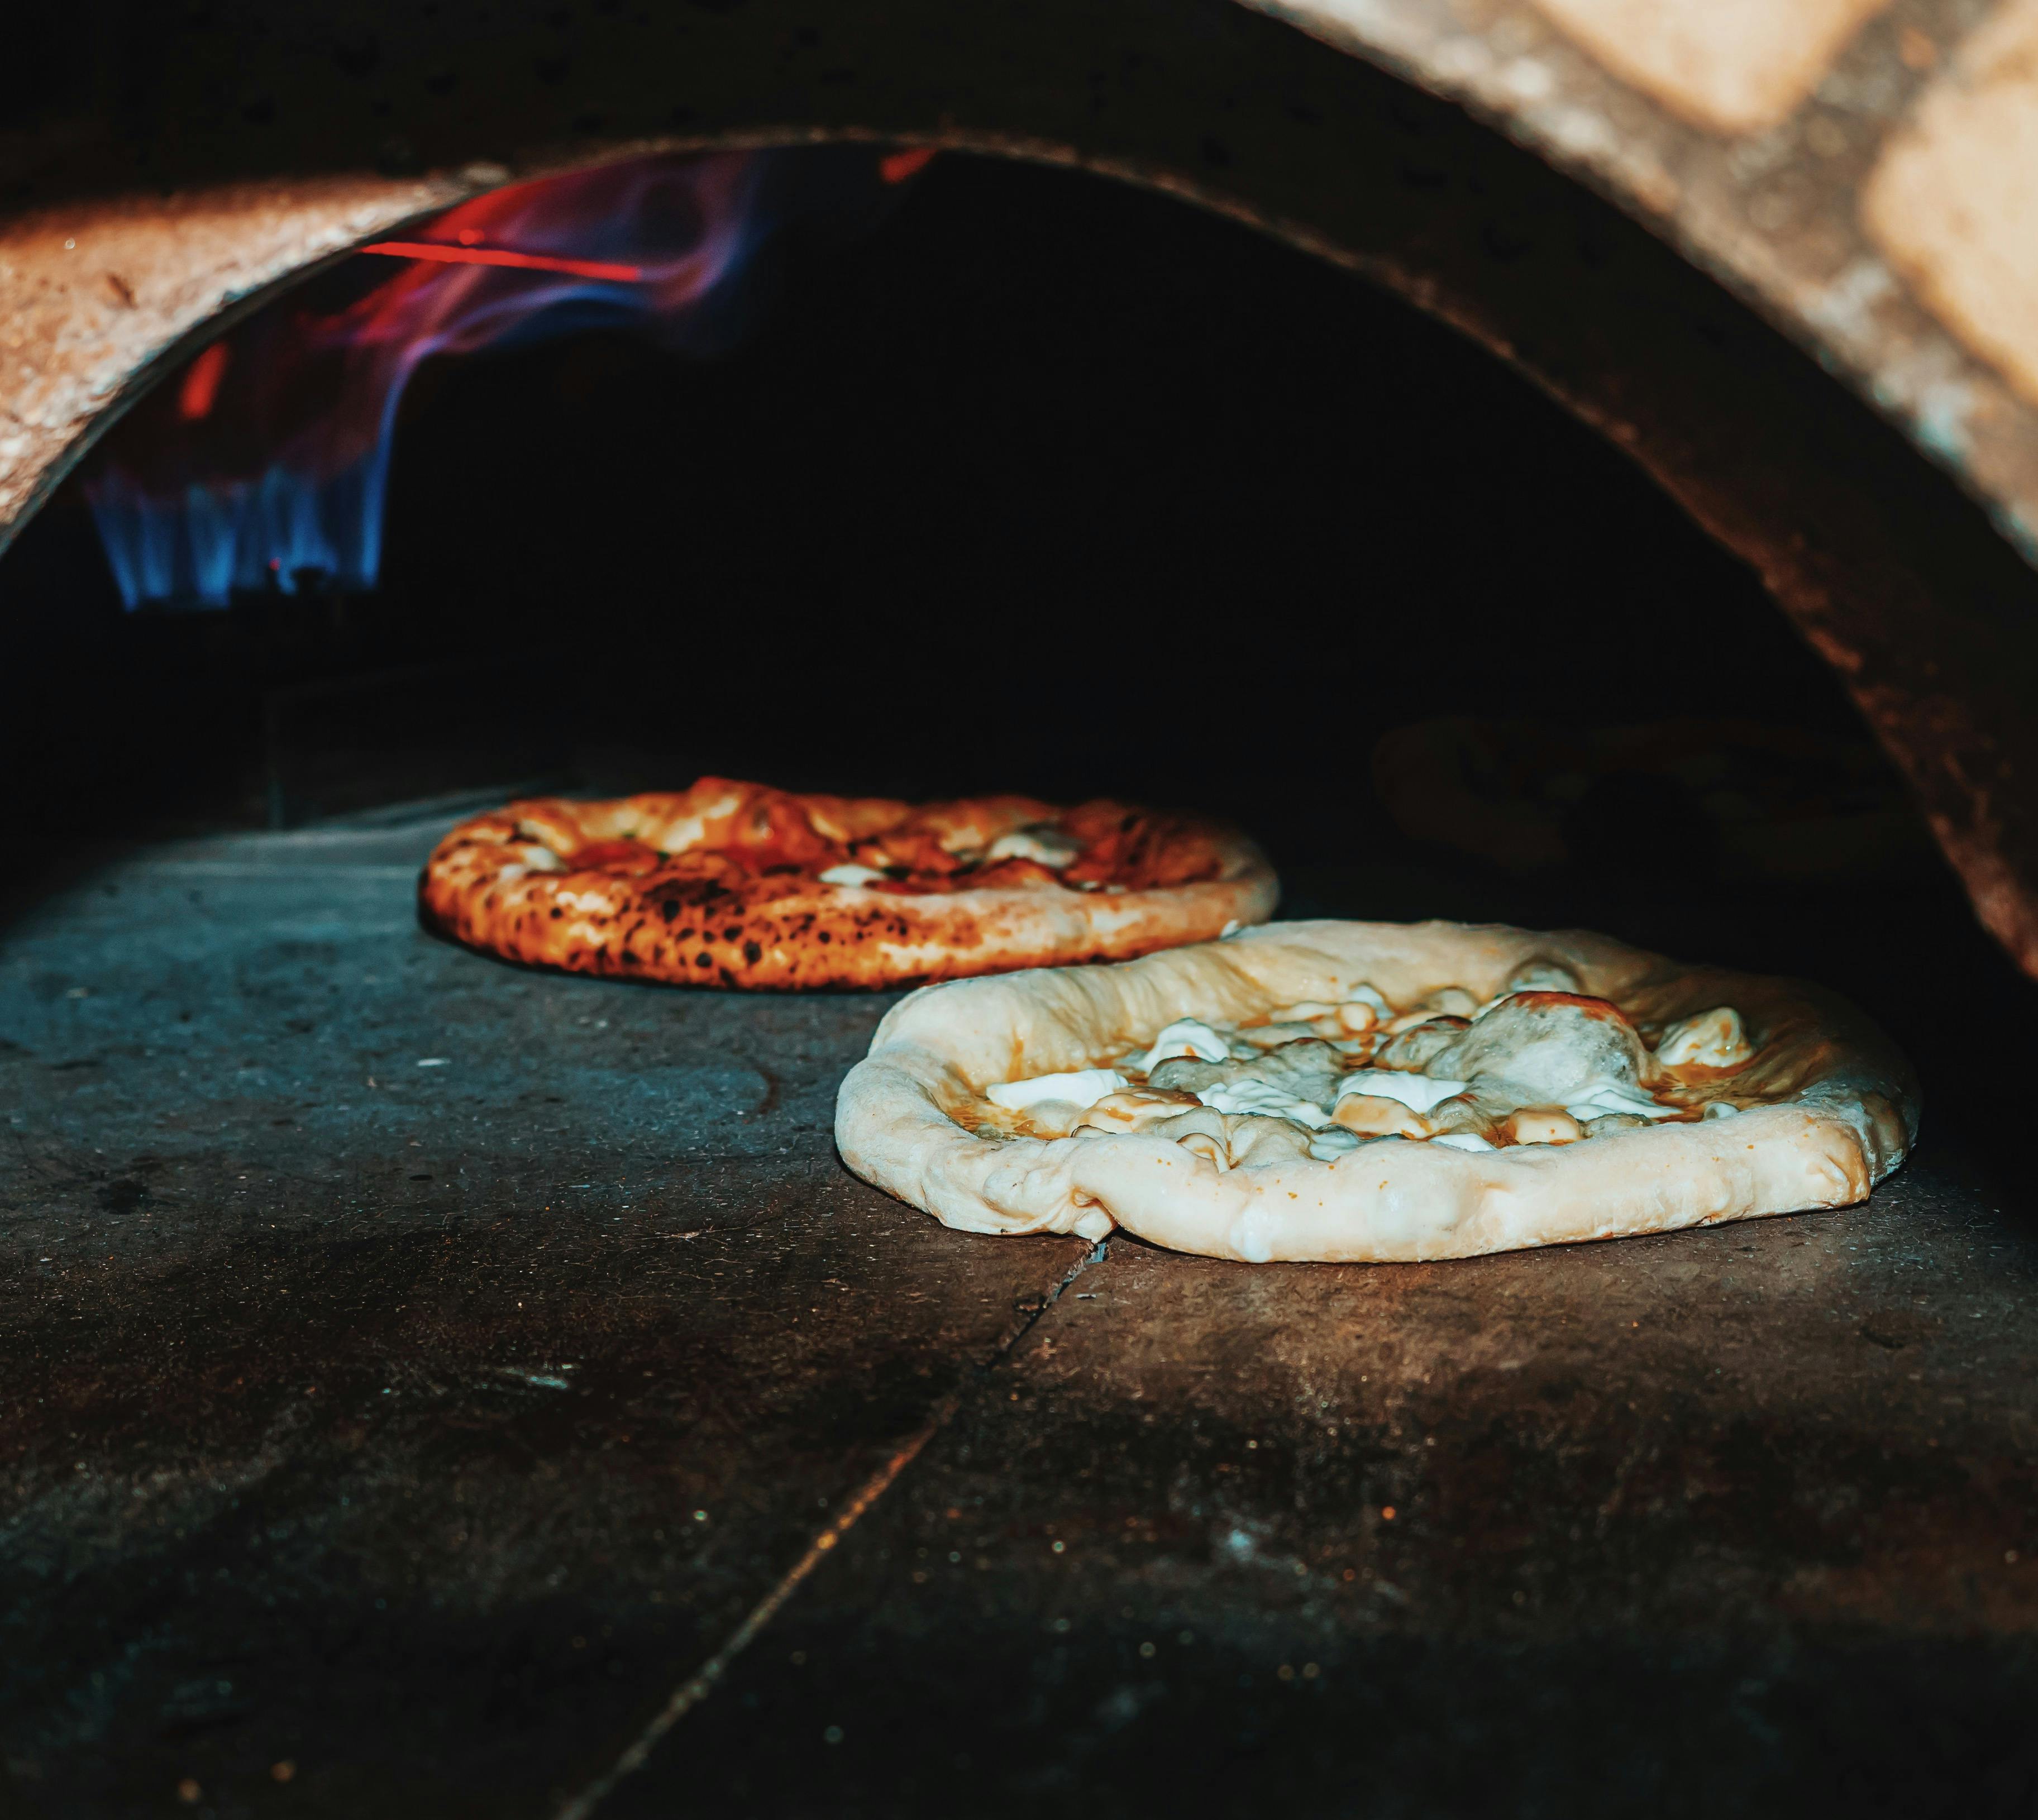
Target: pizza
[1736,797]
[737,884]
[1363,1092]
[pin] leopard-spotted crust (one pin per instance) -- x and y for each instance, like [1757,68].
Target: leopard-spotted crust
[718,886]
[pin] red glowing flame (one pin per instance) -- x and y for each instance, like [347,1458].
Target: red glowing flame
[201,383]
[470,254]
[483,269]
[909,161]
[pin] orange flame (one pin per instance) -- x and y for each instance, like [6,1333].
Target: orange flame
[474,255]
[896,167]
[201,383]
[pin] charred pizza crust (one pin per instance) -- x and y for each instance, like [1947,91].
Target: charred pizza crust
[723,885]
[1829,1106]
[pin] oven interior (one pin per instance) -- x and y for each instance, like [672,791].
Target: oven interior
[1026,480]
[1020,479]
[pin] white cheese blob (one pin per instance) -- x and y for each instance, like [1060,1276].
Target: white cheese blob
[1612,1099]
[1045,844]
[850,875]
[1416,1092]
[1133,1110]
[1084,1088]
[1258,1096]
[1537,976]
[1327,1018]
[1462,1141]
[1185,1036]
[1714,1039]
[1333,1141]
[1544,1125]
[1541,976]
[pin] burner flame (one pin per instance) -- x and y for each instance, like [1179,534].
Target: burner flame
[467,253]
[201,383]
[270,457]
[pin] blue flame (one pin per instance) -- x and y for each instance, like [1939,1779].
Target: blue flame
[217,538]
[225,484]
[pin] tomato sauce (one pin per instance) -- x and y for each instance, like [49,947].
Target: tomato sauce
[753,834]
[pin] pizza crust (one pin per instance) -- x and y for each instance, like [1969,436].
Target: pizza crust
[1841,1109]
[496,883]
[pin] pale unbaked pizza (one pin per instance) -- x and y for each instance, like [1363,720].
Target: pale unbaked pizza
[736,884]
[1368,1091]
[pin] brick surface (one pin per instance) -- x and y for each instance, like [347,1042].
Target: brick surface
[1732,66]
[1954,201]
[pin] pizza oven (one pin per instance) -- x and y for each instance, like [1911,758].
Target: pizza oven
[138,241]
[1563,462]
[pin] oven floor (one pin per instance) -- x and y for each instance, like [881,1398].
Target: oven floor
[419,1370]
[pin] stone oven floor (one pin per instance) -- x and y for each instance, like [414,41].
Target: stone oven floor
[425,1379]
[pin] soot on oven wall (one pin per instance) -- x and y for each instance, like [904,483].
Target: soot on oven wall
[1039,482]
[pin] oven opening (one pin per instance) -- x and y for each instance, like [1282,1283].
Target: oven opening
[430,1372]
[1026,479]
[996,477]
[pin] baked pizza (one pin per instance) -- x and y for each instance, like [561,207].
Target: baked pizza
[1361,1093]
[736,884]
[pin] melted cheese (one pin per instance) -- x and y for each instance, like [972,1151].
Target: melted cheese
[1416,1092]
[1541,976]
[1047,845]
[1612,1099]
[1326,1019]
[1134,1109]
[1185,1036]
[1263,1036]
[1358,1017]
[1085,1087]
[1259,1096]
[1369,1115]
[1543,1125]
[1713,1038]
[848,874]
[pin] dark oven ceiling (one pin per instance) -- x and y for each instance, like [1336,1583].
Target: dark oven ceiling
[161,181]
